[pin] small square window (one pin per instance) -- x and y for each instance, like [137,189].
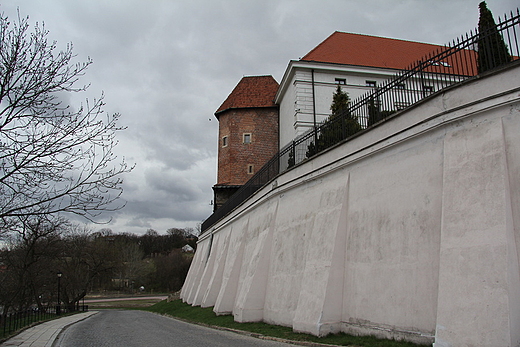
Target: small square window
[247,138]
[224,141]
[341,81]
[371,84]
[250,169]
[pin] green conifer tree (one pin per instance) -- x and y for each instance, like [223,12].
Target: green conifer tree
[492,50]
[338,126]
[340,101]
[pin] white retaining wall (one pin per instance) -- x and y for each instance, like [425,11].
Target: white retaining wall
[410,230]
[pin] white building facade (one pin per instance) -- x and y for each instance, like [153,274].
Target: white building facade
[358,63]
[305,93]
[409,231]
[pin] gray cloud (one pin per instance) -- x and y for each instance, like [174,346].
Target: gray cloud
[166,66]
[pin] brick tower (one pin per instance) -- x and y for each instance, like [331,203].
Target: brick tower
[248,134]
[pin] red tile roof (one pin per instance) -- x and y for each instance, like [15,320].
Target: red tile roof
[251,91]
[365,50]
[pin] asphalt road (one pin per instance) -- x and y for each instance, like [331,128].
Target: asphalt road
[131,328]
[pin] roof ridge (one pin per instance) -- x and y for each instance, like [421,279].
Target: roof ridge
[385,37]
[250,92]
[368,50]
[257,76]
[319,44]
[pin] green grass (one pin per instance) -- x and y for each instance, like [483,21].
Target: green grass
[184,311]
[122,304]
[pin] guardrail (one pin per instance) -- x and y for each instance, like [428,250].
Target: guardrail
[14,321]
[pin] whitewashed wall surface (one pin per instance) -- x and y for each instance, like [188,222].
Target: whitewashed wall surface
[411,230]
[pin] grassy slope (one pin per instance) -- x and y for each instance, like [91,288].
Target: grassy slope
[184,311]
[126,304]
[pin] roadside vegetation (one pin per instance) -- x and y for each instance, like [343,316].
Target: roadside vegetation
[128,303]
[206,316]
[46,259]
[57,164]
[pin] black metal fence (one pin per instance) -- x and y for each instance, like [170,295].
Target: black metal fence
[464,58]
[14,321]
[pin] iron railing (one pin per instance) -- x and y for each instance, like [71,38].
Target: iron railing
[464,58]
[13,321]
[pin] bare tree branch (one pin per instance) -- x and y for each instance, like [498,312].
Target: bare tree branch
[52,159]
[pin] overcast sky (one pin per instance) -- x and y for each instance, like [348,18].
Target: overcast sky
[167,65]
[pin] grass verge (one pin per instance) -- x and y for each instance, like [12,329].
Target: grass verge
[206,316]
[123,304]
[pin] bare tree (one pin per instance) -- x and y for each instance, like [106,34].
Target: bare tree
[170,271]
[27,275]
[84,258]
[53,158]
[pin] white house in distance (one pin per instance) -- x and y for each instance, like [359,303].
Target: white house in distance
[357,62]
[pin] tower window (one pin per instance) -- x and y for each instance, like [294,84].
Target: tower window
[247,138]
[250,169]
[224,141]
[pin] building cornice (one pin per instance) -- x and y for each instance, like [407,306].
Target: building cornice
[326,67]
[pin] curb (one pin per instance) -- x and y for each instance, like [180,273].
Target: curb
[256,335]
[46,336]
[62,329]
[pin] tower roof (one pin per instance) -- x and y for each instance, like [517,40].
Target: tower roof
[251,91]
[365,50]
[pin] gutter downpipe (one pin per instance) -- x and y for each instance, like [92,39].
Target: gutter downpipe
[314,108]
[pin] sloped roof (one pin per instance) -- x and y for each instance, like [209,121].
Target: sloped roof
[251,91]
[365,50]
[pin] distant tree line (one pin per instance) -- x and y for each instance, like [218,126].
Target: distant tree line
[88,262]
